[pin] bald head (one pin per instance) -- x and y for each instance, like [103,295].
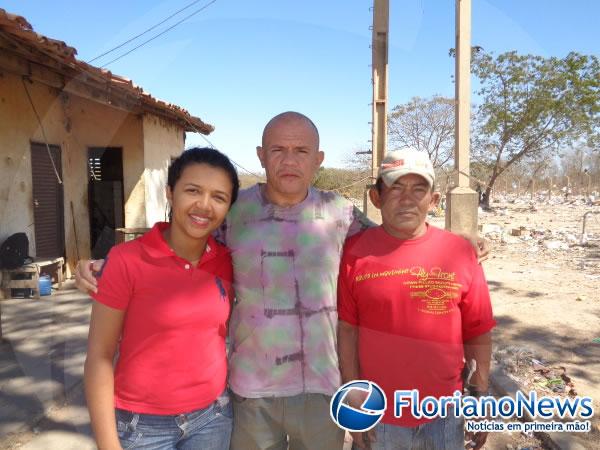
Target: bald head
[288,118]
[290,156]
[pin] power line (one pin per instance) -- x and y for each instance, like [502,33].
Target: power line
[351,184]
[37,116]
[143,32]
[153,38]
[246,170]
[211,145]
[231,159]
[161,33]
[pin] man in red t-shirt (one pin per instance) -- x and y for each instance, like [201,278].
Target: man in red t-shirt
[413,305]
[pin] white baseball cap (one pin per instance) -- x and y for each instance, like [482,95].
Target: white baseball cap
[398,163]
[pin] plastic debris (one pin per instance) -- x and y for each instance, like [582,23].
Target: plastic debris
[556,245]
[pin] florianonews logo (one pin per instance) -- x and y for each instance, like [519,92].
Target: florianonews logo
[360,404]
[364,417]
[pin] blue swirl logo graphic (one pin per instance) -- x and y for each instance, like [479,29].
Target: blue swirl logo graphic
[370,412]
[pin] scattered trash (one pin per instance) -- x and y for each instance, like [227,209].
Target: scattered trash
[556,245]
[546,247]
[537,365]
[534,374]
[554,233]
[492,228]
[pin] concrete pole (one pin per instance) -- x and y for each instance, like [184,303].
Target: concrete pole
[462,89]
[588,190]
[379,47]
[461,215]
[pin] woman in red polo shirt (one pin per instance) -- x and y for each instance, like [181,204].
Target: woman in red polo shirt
[163,301]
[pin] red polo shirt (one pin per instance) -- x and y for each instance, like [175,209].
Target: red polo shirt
[172,355]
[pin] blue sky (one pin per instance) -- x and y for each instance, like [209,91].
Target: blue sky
[239,62]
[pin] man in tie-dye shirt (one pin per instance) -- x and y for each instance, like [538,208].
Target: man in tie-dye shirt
[286,239]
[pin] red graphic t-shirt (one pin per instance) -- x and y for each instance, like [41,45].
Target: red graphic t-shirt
[415,302]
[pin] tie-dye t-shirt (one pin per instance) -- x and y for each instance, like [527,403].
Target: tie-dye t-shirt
[286,262]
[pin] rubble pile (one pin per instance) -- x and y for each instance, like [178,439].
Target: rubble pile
[543,197]
[560,239]
[548,229]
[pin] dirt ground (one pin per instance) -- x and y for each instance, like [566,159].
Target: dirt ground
[545,289]
[546,300]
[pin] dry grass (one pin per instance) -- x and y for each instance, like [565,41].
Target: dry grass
[247,180]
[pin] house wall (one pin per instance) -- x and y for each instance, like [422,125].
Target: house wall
[162,141]
[74,124]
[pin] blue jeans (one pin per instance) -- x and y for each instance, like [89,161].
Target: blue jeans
[439,434]
[206,429]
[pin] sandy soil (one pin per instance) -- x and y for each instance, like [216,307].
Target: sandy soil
[547,300]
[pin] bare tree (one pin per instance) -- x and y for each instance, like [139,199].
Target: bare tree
[359,159]
[424,124]
[581,167]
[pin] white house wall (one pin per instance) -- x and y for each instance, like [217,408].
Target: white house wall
[74,124]
[162,141]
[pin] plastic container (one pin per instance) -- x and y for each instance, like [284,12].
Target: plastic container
[45,285]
